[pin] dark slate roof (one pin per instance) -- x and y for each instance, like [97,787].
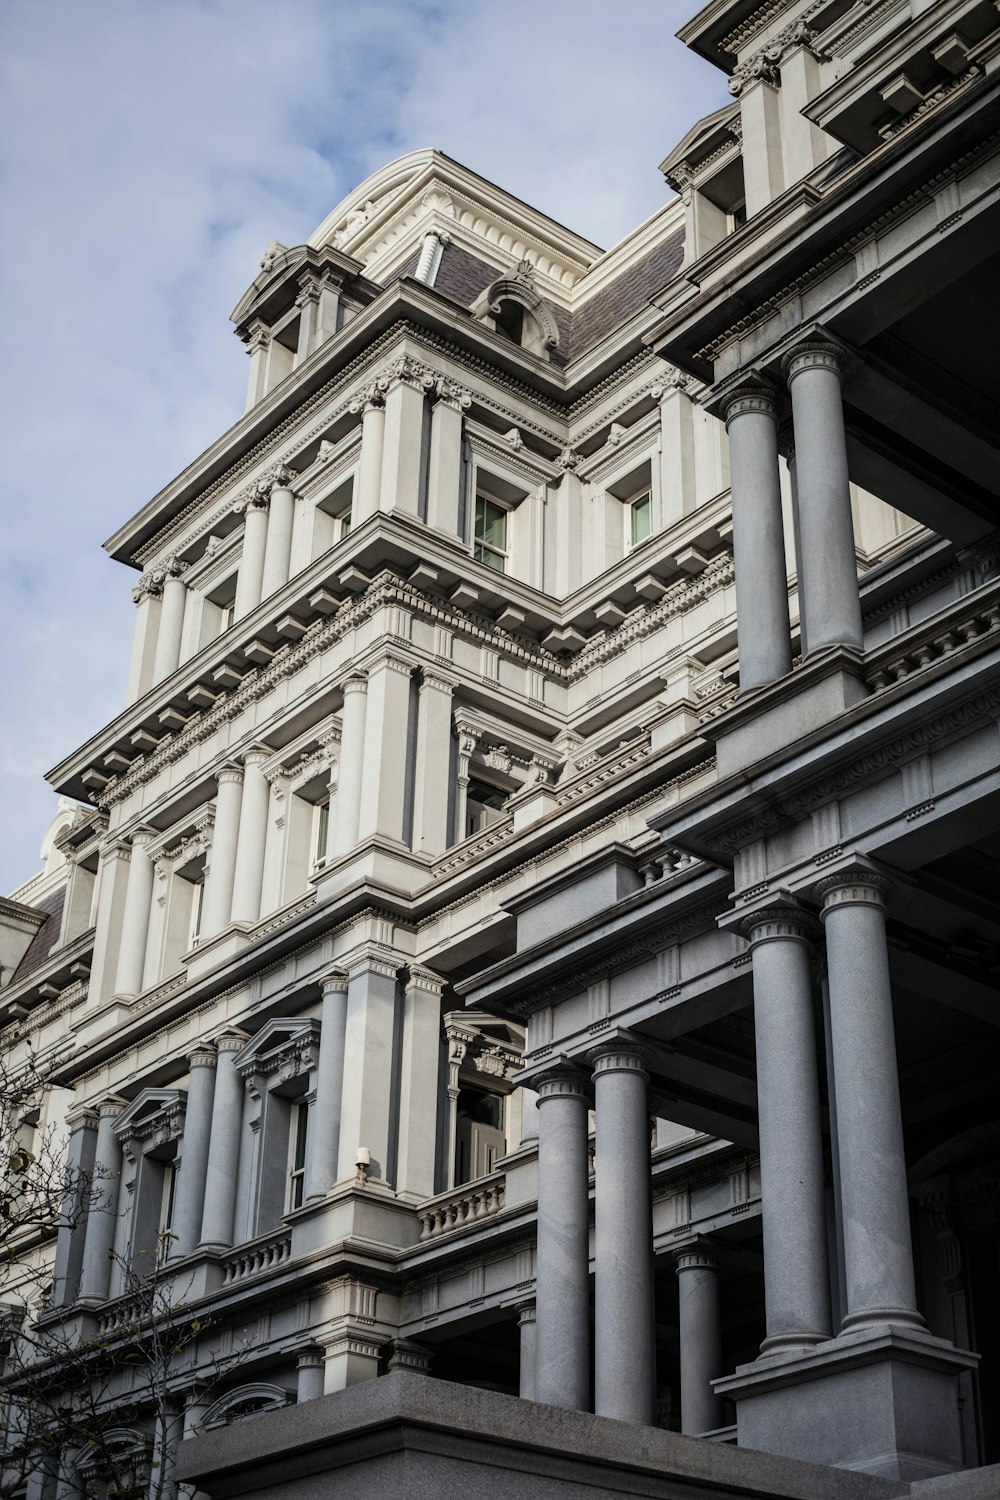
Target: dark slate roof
[626,295]
[462,276]
[46,937]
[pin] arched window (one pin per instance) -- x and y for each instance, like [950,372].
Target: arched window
[515,309]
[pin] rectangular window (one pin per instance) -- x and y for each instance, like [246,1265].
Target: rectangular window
[298,1128]
[322,830]
[490,536]
[640,518]
[342,526]
[167,1197]
[197,898]
[484,805]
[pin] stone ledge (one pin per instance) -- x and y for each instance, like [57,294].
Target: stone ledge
[407,1434]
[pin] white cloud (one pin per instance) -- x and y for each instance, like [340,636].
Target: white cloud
[150,151]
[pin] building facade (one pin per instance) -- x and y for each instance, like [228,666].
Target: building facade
[533,921]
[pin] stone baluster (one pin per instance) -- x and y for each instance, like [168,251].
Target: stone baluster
[323,1140]
[700,1339]
[250,578]
[135,918]
[421,1055]
[828,588]
[432,768]
[189,1193]
[147,597]
[171,628]
[878,1255]
[796,1284]
[562,1283]
[371,405]
[222,1166]
[352,764]
[249,869]
[527,1351]
[221,873]
[102,1219]
[758,537]
[444,474]
[278,545]
[624,1327]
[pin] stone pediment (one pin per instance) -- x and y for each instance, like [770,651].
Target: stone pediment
[280,1046]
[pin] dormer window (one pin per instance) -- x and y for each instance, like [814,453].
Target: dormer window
[510,320]
[514,309]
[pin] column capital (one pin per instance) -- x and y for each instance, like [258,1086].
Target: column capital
[334,982]
[255,755]
[279,477]
[526,1313]
[407,1354]
[778,923]
[391,661]
[424,979]
[150,586]
[857,886]
[370,398]
[561,1080]
[696,1255]
[448,393]
[232,1040]
[230,772]
[368,958]
[310,1359]
[816,353]
[141,838]
[309,290]
[756,397]
[203,1057]
[84,1117]
[357,682]
[111,1107]
[441,682]
[619,1054]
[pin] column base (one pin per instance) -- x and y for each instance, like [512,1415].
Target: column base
[771,718]
[882,1400]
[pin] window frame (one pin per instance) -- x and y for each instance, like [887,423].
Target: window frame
[479,543]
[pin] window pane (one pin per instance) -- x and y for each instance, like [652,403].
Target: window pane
[642,518]
[486,555]
[491,523]
[322,829]
[345,524]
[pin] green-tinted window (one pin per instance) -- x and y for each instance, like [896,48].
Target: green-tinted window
[322,829]
[642,518]
[299,1124]
[490,536]
[344,525]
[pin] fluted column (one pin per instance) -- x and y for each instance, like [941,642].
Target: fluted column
[796,1284]
[352,764]
[758,538]
[103,1216]
[135,919]
[278,545]
[878,1255]
[221,872]
[828,588]
[527,1352]
[562,1280]
[189,1193]
[624,1332]
[250,577]
[432,770]
[418,1083]
[168,637]
[323,1140]
[371,405]
[81,1151]
[249,872]
[700,1339]
[147,597]
[384,771]
[222,1166]
[444,473]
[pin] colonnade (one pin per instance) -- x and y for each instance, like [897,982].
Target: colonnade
[830,611]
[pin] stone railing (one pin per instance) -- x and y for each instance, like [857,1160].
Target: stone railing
[973,617]
[469,1204]
[253,1259]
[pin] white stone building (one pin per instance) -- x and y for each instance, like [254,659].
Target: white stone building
[510,758]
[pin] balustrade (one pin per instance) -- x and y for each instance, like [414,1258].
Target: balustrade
[469,1204]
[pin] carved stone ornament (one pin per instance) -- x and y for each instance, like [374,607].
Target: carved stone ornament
[272,255]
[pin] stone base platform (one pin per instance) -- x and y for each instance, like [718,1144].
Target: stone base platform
[407,1435]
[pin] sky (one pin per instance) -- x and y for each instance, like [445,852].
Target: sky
[149,151]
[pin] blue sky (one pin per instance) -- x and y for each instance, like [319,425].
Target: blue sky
[149,151]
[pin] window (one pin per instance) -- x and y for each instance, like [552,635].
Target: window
[167,1198]
[737,216]
[342,525]
[480,1139]
[298,1127]
[484,805]
[228,615]
[640,518]
[322,820]
[197,901]
[490,538]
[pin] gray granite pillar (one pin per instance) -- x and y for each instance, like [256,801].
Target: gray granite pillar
[528,1352]
[81,1151]
[562,1376]
[701,1339]
[189,1193]
[249,867]
[624,1330]
[758,537]
[102,1219]
[323,1139]
[251,571]
[352,764]
[796,1285]
[309,1374]
[878,1256]
[828,585]
[222,1167]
